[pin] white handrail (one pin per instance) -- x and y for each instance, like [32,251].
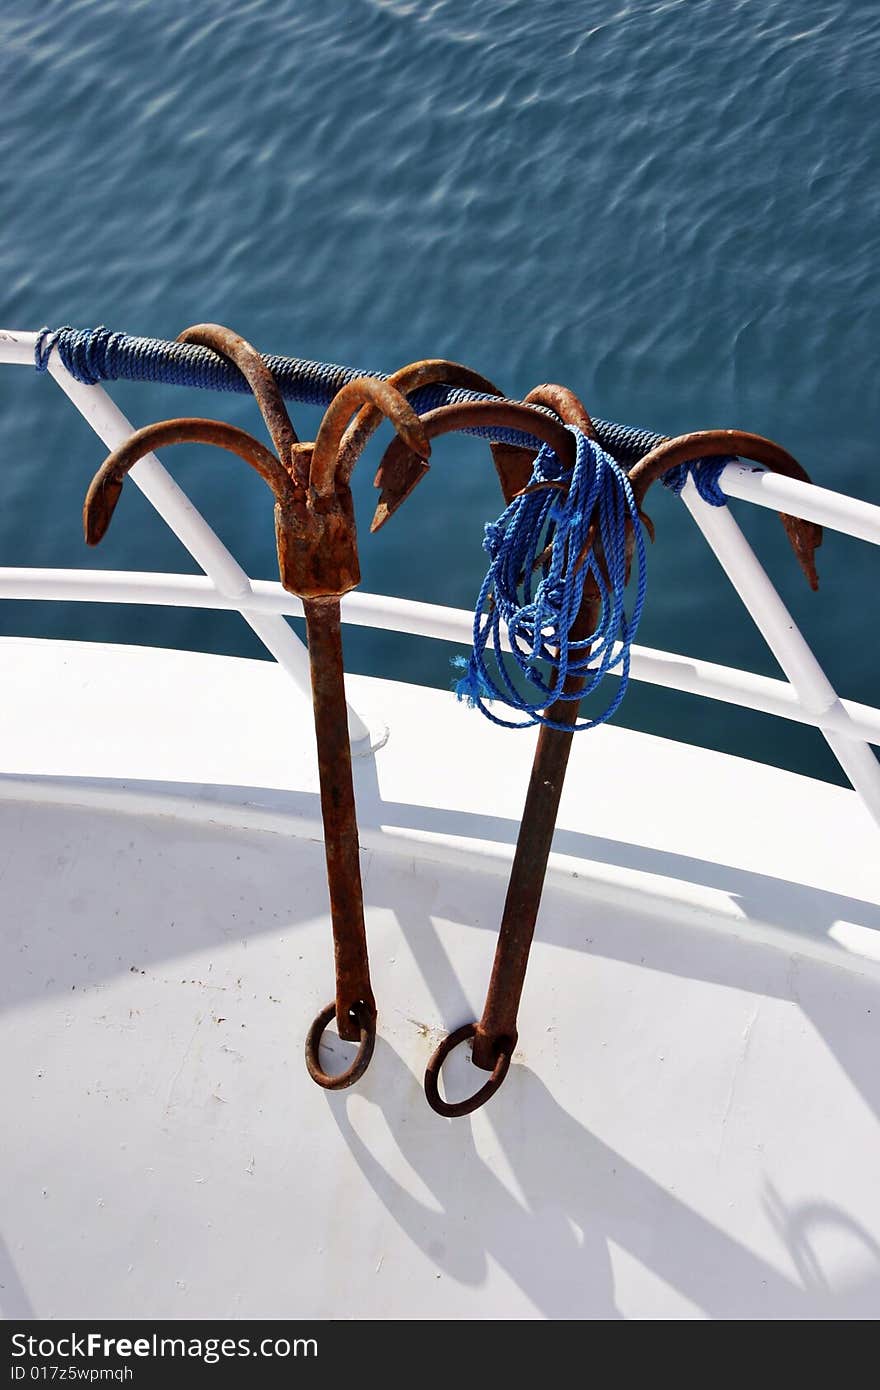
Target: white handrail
[833,509]
[684,673]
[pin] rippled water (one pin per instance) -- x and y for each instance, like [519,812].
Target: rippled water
[671,207]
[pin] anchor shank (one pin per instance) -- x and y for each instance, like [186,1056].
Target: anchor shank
[324,629]
[497,1025]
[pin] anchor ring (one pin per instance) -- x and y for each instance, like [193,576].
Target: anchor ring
[453,1110]
[367,1023]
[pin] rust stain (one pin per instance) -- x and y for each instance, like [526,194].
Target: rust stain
[805,536]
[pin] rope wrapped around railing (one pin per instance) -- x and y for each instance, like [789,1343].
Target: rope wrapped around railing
[93,355]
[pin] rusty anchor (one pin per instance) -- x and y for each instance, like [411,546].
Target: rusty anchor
[318,561]
[495,1034]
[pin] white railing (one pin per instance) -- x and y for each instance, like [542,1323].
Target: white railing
[807,697]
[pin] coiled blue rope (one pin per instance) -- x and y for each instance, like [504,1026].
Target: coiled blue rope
[538,617]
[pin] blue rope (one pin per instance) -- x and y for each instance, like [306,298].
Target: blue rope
[706,473]
[538,620]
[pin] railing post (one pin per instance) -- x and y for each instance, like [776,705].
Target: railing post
[785,640]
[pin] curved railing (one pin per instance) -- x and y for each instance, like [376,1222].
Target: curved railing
[807,696]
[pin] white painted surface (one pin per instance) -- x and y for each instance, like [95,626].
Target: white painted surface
[690,1126]
[848,514]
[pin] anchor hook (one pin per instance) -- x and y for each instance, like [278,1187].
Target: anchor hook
[805,537]
[105,488]
[257,375]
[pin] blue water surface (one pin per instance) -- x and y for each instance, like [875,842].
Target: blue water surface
[671,207]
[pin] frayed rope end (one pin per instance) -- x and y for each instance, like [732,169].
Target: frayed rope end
[470,686]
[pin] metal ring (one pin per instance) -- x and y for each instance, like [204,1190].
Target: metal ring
[453,1110]
[340,1080]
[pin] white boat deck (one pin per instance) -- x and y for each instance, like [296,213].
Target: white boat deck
[690,1124]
